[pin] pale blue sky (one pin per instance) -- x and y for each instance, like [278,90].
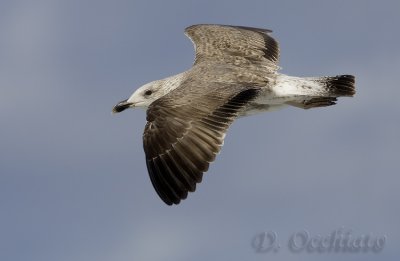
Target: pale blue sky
[73,180]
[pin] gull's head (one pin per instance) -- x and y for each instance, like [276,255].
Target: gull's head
[142,97]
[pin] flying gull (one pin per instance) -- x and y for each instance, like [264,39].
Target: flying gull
[235,74]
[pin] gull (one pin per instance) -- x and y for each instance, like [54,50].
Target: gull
[235,74]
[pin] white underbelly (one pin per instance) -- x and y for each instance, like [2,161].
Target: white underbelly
[285,89]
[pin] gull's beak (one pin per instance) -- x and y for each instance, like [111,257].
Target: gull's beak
[121,106]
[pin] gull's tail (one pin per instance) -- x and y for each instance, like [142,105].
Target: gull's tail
[341,85]
[323,91]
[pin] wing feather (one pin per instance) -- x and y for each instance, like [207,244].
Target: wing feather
[238,45]
[180,145]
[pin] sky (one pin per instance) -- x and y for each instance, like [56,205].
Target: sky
[73,179]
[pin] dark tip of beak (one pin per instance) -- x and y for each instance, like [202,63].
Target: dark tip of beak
[121,106]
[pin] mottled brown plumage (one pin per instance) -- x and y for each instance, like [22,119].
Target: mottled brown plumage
[186,127]
[234,74]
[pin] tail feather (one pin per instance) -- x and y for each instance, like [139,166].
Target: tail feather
[341,85]
[325,92]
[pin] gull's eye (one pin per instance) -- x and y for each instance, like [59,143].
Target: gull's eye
[148,92]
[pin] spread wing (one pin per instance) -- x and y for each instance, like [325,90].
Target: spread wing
[185,132]
[236,45]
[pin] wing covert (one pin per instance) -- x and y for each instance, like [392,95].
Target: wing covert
[237,45]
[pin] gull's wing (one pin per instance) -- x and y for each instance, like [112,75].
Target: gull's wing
[184,133]
[236,45]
